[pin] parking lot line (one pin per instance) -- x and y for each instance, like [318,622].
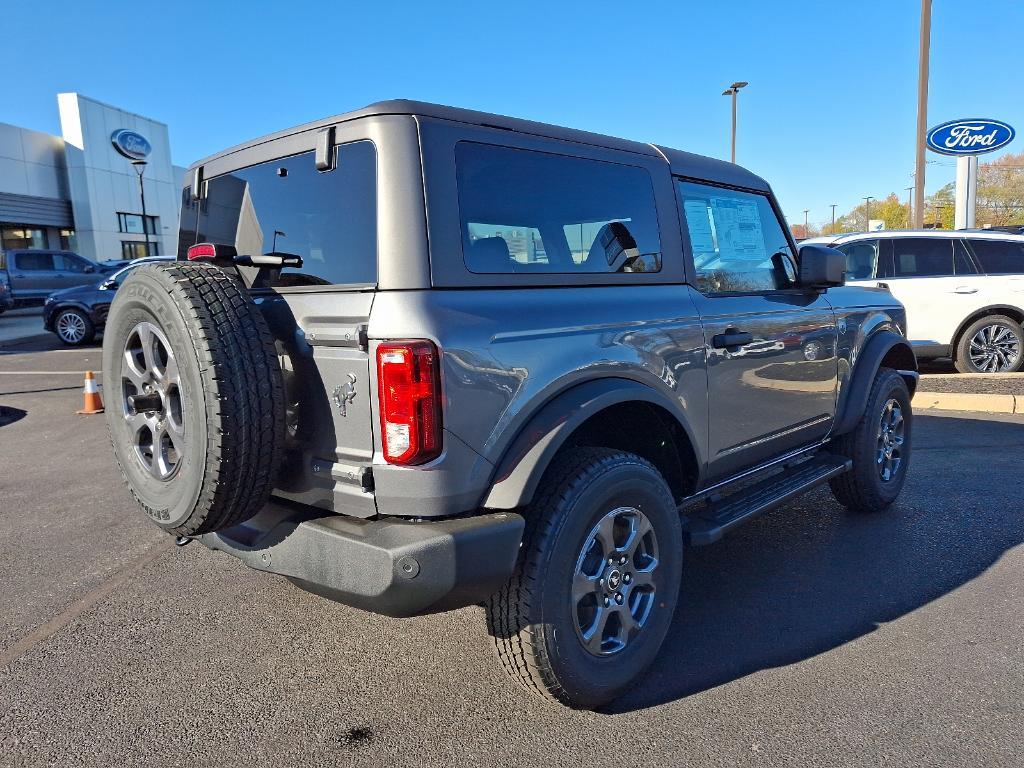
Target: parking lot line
[80,606]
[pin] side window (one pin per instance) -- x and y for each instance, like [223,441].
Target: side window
[69,263]
[923,256]
[286,206]
[962,264]
[861,259]
[527,211]
[35,262]
[738,243]
[999,257]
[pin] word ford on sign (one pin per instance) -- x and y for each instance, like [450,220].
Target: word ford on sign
[132,145]
[969,137]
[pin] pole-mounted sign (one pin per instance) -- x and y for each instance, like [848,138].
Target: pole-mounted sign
[966,139]
[969,137]
[132,145]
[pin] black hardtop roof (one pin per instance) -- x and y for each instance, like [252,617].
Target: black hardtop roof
[683,163]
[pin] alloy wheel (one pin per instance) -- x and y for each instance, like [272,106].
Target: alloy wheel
[615,582]
[891,436]
[152,402]
[71,327]
[994,348]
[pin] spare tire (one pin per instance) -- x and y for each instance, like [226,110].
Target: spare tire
[194,396]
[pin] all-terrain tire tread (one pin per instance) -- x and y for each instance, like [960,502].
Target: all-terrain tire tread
[243,393]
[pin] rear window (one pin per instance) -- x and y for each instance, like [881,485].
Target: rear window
[999,256]
[526,211]
[287,206]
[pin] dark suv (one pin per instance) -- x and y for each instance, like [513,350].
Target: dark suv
[414,358]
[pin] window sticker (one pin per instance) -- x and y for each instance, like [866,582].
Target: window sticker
[699,224]
[738,224]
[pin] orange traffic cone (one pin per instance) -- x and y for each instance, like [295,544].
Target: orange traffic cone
[91,402]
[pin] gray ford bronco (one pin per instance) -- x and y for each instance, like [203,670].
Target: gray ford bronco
[414,358]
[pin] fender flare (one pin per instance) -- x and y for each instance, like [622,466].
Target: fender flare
[864,372]
[528,456]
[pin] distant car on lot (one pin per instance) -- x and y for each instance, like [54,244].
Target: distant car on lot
[36,273]
[6,295]
[963,290]
[76,314]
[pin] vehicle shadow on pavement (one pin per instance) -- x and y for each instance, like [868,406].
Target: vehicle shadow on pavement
[810,576]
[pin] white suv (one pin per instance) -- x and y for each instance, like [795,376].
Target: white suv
[963,290]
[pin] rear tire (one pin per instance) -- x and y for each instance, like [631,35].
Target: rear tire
[602,552]
[202,450]
[993,344]
[879,446]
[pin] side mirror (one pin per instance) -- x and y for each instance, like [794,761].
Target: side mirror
[107,285]
[821,267]
[90,269]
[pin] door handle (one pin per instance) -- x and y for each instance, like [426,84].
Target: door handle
[731,338]
[965,289]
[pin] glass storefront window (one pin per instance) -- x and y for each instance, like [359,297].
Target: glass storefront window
[68,240]
[14,237]
[131,223]
[132,249]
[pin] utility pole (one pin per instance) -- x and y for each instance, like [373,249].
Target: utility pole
[140,168]
[807,232]
[867,213]
[922,110]
[834,217]
[733,90]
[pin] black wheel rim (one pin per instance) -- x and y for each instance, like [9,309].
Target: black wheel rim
[615,581]
[891,437]
[994,348]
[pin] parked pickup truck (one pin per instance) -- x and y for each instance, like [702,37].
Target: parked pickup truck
[415,358]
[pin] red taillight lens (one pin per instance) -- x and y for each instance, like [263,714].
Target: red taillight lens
[202,251]
[409,392]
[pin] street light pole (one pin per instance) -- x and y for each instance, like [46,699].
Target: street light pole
[733,90]
[834,217]
[140,168]
[867,213]
[922,110]
[910,207]
[807,232]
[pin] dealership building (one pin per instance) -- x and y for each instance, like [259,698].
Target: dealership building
[80,191]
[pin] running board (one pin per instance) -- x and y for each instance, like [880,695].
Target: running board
[721,515]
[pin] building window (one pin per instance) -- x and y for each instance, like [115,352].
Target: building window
[14,237]
[131,224]
[68,240]
[133,249]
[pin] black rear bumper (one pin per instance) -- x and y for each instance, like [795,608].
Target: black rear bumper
[394,567]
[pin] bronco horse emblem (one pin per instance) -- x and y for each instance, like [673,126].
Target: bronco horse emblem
[344,395]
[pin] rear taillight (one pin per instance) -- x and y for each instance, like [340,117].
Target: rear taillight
[409,392]
[201,251]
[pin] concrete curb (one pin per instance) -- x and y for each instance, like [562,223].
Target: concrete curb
[956,401]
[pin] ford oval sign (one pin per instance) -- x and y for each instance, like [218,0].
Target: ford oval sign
[969,137]
[132,145]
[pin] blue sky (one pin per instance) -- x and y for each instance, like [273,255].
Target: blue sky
[829,115]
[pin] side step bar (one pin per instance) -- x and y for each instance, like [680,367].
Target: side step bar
[719,516]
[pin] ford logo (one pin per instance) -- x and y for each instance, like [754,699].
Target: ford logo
[969,137]
[132,145]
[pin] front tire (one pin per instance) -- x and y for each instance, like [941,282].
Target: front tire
[879,447]
[73,327]
[595,588]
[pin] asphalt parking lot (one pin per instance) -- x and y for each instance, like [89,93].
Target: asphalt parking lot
[808,637]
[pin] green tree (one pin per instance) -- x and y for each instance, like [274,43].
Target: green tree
[889,209]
